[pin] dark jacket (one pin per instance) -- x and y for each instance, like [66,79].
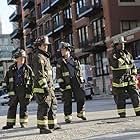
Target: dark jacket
[63,75]
[123,69]
[42,70]
[27,79]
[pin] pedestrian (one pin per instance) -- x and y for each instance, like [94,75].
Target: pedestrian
[43,87]
[124,77]
[70,79]
[19,84]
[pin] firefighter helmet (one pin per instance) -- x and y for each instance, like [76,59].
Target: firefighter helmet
[42,40]
[65,45]
[18,53]
[119,40]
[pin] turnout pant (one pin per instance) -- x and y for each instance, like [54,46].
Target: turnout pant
[120,99]
[79,95]
[19,97]
[46,112]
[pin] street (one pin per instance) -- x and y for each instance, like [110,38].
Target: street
[103,124]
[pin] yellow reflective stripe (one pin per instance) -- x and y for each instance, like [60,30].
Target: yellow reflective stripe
[11,93]
[65,73]
[61,89]
[42,122]
[77,67]
[28,82]
[122,67]
[134,70]
[11,79]
[3,84]
[82,113]
[52,121]
[68,87]
[42,81]
[120,84]
[137,109]
[58,65]
[69,117]
[121,110]
[121,60]
[38,90]
[11,120]
[24,120]
[60,80]
[49,72]
[28,96]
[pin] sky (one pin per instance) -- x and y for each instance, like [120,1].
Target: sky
[5,12]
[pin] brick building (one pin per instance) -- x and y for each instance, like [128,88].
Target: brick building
[16,19]
[88,25]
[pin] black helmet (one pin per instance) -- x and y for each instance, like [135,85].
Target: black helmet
[18,53]
[65,45]
[41,40]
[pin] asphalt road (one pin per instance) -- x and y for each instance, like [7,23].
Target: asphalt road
[102,124]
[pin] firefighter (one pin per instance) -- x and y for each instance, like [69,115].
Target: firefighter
[70,79]
[19,84]
[124,77]
[43,88]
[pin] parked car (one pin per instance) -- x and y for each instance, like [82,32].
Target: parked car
[137,63]
[4,99]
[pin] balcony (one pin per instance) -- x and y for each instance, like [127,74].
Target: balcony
[57,27]
[49,7]
[29,43]
[89,10]
[16,34]
[15,16]
[54,2]
[12,2]
[28,4]
[29,22]
[45,8]
[48,31]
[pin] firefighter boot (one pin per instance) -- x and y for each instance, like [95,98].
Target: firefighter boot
[45,131]
[55,127]
[67,120]
[122,115]
[7,127]
[138,113]
[23,125]
[82,117]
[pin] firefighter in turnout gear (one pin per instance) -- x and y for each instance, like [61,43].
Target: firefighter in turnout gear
[19,84]
[124,77]
[43,87]
[70,79]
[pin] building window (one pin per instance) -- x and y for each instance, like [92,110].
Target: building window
[80,4]
[98,29]
[68,38]
[102,64]
[67,13]
[128,25]
[127,0]
[56,20]
[83,36]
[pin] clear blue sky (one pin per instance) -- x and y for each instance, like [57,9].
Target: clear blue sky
[5,12]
